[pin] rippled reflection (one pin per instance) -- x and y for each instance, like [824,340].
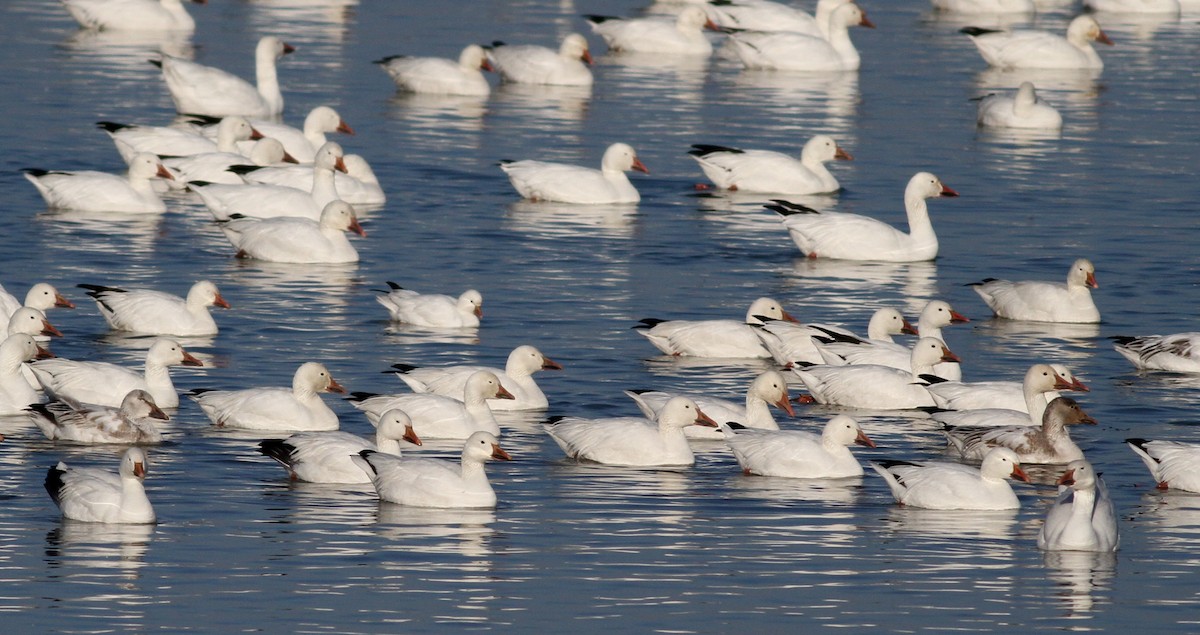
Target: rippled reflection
[102,233]
[436,120]
[826,491]
[998,525]
[123,54]
[468,532]
[99,547]
[1065,343]
[841,283]
[559,104]
[305,19]
[831,97]
[549,220]
[1080,576]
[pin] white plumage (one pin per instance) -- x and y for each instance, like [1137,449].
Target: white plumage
[564,183]
[631,441]
[91,191]
[1038,49]
[1050,443]
[679,35]
[799,453]
[438,76]
[98,496]
[516,377]
[532,64]
[298,408]
[770,171]
[944,485]
[155,312]
[714,338]
[326,457]
[1083,517]
[294,239]
[432,310]
[131,423]
[107,384]
[768,389]
[1038,301]
[203,90]
[440,417]
[423,482]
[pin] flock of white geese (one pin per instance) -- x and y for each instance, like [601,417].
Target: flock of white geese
[284,194]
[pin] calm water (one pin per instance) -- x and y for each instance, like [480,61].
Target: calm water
[590,548]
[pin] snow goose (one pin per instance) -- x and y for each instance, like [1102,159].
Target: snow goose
[631,441]
[30,321]
[1050,443]
[304,143]
[91,191]
[516,377]
[132,15]
[157,313]
[564,183]
[679,35]
[296,240]
[358,186]
[298,408]
[1039,387]
[1083,517]
[1171,463]
[1038,49]
[269,201]
[986,7]
[214,167]
[768,171]
[877,387]
[15,391]
[790,342]
[440,417]
[839,349]
[41,296]
[1022,110]
[425,482]
[204,90]
[432,310]
[764,15]
[98,496]
[107,384]
[854,237]
[945,485]
[85,423]
[1179,353]
[798,453]
[324,457]
[439,76]
[171,141]
[714,338]
[789,51]
[768,389]
[1012,395]
[531,64]
[1037,301]
[1143,7]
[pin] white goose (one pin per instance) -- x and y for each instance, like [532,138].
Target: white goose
[1038,301]
[204,90]
[1038,49]
[358,186]
[714,338]
[439,76]
[631,441]
[41,296]
[215,167]
[31,321]
[296,240]
[1011,395]
[1039,387]
[155,312]
[107,384]
[1171,463]
[986,7]
[97,496]
[1083,517]
[768,389]
[564,183]
[790,51]
[765,15]
[516,377]
[790,342]
[1050,443]
[837,349]
[424,482]
[131,423]
[945,485]
[15,391]
[877,387]
[679,35]
[132,15]
[1135,7]
[269,201]
[1021,110]
[1179,353]
[298,408]
[855,237]
[440,417]
[768,171]
[172,141]
[325,457]
[799,453]
[303,143]
[531,64]
[91,191]
[432,310]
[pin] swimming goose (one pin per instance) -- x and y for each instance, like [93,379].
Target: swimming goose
[204,90]
[294,239]
[97,496]
[91,191]
[1179,353]
[325,457]
[765,15]
[791,51]
[15,391]
[1039,387]
[1135,7]
[1038,49]
[839,349]
[1173,464]
[631,441]
[298,408]
[174,141]
[357,186]
[531,64]
[768,389]
[1011,395]
[432,310]
[303,143]
[855,237]
[440,417]
[1049,443]
[877,387]
[157,313]
[1083,517]
[107,384]
[945,485]
[565,183]
[680,35]
[41,296]
[132,15]
[1037,301]
[793,342]
[268,201]
[86,423]
[714,338]
[215,167]
[768,171]
[798,453]
[426,482]
[1021,110]
[438,76]
[516,377]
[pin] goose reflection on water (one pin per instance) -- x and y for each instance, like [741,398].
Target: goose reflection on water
[1081,578]
[549,221]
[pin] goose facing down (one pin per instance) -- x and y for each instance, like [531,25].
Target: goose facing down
[1179,353]
[106,384]
[1048,444]
[1037,301]
[767,171]
[530,64]
[91,191]
[132,15]
[432,310]
[714,338]
[854,237]
[424,482]
[1173,464]
[945,485]
[98,496]
[325,457]
[681,35]
[1083,517]
[799,453]
[516,377]
[1041,50]
[768,389]
[158,313]
[1024,109]
[565,183]
[438,76]
[298,408]
[296,240]
[131,423]
[631,441]
[204,90]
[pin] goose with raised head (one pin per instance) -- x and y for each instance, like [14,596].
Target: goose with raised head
[1011,395]
[1039,387]
[1049,443]
[205,90]
[1082,518]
